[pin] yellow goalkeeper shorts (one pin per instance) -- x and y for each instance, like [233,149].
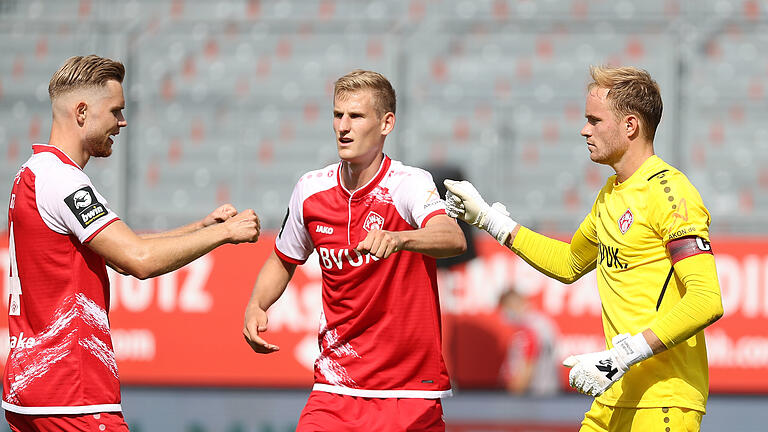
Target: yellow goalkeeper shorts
[602,418]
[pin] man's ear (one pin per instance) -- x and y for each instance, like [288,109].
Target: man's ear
[80,113]
[387,123]
[631,125]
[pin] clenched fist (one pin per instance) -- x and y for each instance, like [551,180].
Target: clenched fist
[243,227]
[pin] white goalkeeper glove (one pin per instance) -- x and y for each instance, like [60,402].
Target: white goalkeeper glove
[463,201]
[594,373]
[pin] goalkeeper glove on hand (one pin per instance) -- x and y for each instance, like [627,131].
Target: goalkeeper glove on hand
[594,373]
[463,201]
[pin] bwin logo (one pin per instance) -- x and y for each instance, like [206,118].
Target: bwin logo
[82,199]
[324,229]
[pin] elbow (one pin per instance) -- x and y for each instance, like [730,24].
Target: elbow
[570,276]
[717,313]
[567,280]
[139,265]
[714,307]
[142,274]
[460,246]
[139,271]
[457,246]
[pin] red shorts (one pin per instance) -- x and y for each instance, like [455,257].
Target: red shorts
[111,421]
[338,413]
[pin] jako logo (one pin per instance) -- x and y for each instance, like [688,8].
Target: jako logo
[324,229]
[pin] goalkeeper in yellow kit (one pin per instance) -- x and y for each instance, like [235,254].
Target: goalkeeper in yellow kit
[648,237]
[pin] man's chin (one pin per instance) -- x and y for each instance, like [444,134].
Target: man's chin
[102,153]
[346,155]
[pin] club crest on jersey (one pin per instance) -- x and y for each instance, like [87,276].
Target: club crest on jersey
[85,206]
[373,221]
[625,221]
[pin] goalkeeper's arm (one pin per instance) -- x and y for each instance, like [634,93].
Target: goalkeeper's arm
[563,261]
[566,262]
[701,305]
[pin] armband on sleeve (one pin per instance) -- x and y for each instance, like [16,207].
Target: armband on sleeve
[685,247]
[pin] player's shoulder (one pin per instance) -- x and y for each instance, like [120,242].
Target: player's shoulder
[48,168]
[400,173]
[318,180]
[665,182]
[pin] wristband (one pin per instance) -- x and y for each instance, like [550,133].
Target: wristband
[498,223]
[631,350]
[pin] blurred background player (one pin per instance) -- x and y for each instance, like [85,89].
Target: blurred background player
[529,365]
[648,236]
[61,372]
[377,226]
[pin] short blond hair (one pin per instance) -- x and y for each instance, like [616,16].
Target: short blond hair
[630,91]
[82,72]
[384,95]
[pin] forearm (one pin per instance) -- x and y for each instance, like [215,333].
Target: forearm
[144,258]
[186,229]
[160,255]
[566,262]
[440,238]
[271,282]
[700,306]
[653,341]
[220,214]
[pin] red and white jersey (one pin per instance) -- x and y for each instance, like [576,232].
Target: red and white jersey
[61,359]
[380,332]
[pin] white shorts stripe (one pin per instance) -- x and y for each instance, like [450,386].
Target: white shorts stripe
[403,394]
[53,410]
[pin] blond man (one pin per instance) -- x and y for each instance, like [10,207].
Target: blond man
[377,226]
[648,237]
[61,372]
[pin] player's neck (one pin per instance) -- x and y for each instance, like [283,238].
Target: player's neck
[69,144]
[631,161]
[356,175]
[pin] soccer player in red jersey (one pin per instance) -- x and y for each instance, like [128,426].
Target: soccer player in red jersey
[377,226]
[61,372]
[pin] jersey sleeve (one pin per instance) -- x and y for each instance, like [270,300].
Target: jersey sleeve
[70,204]
[420,199]
[679,210]
[566,262]
[700,306]
[588,228]
[293,242]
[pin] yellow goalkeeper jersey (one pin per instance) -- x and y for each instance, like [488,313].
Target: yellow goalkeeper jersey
[631,223]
